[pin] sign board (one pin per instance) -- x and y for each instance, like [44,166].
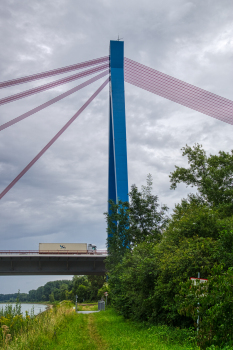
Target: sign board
[194,280]
[106,294]
[201,281]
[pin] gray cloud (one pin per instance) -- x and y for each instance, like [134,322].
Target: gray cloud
[63,197]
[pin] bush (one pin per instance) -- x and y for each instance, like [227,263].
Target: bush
[144,285]
[214,305]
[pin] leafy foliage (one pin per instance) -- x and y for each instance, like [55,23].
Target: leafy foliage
[145,284]
[212,302]
[149,274]
[213,176]
[86,287]
[140,220]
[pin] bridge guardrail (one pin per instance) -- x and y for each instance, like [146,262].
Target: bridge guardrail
[37,252]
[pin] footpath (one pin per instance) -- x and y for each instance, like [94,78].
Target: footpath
[106,330]
[81,333]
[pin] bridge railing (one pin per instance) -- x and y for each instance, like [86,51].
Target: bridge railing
[52,252]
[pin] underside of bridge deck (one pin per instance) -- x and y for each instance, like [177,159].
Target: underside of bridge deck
[52,265]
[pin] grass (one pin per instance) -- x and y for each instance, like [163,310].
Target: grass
[90,307]
[34,332]
[63,329]
[120,334]
[60,328]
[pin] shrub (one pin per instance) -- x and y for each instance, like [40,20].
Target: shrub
[214,307]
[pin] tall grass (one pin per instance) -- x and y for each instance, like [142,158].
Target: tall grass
[12,323]
[32,332]
[61,328]
[122,334]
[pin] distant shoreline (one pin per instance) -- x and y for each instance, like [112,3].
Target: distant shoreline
[25,302]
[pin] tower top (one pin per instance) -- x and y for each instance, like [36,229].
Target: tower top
[116,54]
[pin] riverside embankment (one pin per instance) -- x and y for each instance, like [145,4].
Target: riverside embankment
[61,328]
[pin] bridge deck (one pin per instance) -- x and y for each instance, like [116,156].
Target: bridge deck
[15,264]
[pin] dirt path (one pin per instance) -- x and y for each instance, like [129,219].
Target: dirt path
[101,345]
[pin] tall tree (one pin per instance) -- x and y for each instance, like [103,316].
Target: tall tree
[211,175]
[130,223]
[147,218]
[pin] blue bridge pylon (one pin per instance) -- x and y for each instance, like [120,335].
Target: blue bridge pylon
[118,170]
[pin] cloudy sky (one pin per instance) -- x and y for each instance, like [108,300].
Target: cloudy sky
[63,197]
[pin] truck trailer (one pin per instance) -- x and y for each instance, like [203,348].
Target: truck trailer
[66,248]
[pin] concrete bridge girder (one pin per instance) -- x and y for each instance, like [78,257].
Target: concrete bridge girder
[52,265]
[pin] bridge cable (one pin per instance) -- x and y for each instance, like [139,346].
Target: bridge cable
[179,91]
[223,104]
[53,72]
[208,101]
[50,102]
[52,84]
[196,104]
[53,139]
[174,82]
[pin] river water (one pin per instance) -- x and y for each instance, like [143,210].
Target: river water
[38,308]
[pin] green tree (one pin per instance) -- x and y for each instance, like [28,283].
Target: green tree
[64,292]
[119,236]
[51,298]
[161,255]
[130,223]
[212,302]
[83,292]
[144,285]
[105,288]
[39,293]
[192,218]
[81,287]
[96,282]
[211,175]
[147,218]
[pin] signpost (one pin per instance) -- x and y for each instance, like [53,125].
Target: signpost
[194,281]
[76,306]
[106,295]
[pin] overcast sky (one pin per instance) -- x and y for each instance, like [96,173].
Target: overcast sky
[63,196]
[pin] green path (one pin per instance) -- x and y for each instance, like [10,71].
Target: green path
[121,334]
[106,330]
[75,335]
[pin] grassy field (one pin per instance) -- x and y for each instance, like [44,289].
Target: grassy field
[63,329]
[86,307]
[119,334]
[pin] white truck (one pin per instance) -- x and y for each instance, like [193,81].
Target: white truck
[66,248]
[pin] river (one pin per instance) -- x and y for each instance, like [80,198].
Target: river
[38,308]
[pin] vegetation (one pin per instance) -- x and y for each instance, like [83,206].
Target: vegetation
[152,257]
[213,304]
[63,329]
[119,333]
[86,287]
[129,224]
[32,332]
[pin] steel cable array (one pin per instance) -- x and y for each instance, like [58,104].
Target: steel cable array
[50,102]
[53,139]
[52,84]
[178,91]
[135,73]
[53,72]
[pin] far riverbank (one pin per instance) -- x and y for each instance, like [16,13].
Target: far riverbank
[30,308]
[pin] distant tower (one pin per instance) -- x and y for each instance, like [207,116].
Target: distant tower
[117,171]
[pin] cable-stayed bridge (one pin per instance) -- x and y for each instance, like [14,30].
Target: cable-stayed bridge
[113,70]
